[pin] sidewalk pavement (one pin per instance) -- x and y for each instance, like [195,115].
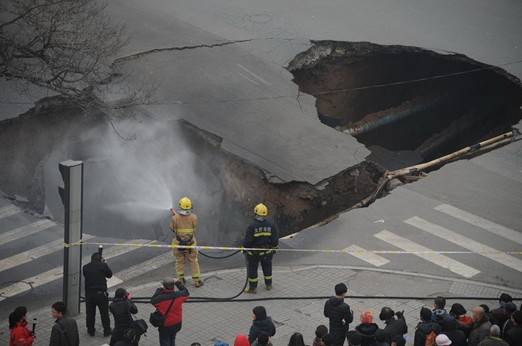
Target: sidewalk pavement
[207,322]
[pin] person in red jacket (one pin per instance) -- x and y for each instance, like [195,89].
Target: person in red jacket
[169,303]
[20,334]
[241,340]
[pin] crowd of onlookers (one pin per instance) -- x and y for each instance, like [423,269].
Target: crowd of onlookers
[437,326]
[501,326]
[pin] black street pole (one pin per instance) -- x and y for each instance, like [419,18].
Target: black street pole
[72,197]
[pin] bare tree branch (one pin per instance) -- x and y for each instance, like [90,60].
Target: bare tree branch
[63,45]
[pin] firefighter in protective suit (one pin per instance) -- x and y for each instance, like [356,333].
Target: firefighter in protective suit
[260,234]
[183,223]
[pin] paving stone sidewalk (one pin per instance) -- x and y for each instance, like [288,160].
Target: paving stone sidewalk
[208,322]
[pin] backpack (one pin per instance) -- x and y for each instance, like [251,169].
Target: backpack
[134,333]
[430,339]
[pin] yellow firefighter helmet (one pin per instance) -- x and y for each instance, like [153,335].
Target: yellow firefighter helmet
[261,210]
[185,203]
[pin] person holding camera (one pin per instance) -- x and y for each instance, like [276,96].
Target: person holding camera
[395,325]
[168,315]
[20,335]
[96,274]
[122,309]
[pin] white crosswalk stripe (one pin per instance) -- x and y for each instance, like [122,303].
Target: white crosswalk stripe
[9,210]
[57,273]
[25,231]
[35,253]
[366,255]
[141,268]
[480,222]
[467,243]
[435,258]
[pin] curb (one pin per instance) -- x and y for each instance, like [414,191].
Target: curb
[290,269]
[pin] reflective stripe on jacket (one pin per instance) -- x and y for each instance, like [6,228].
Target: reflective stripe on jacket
[261,234]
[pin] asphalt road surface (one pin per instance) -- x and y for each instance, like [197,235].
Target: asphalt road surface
[235,92]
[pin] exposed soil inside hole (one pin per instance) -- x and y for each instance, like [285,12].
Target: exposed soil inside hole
[428,118]
[224,187]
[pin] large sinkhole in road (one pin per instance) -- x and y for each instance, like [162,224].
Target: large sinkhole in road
[131,182]
[407,99]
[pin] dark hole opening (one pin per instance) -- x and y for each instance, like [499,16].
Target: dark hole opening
[406,98]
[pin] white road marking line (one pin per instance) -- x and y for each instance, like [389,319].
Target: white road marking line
[34,253]
[367,256]
[480,222]
[253,74]
[113,281]
[57,273]
[26,230]
[9,210]
[466,243]
[142,268]
[435,258]
[248,78]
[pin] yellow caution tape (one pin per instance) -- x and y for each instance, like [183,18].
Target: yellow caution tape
[332,251]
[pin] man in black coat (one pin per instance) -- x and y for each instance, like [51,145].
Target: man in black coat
[425,327]
[514,334]
[500,315]
[96,274]
[65,330]
[122,309]
[339,314]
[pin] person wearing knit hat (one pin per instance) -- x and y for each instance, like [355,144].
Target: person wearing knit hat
[442,340]
[367,328]
[465,322]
